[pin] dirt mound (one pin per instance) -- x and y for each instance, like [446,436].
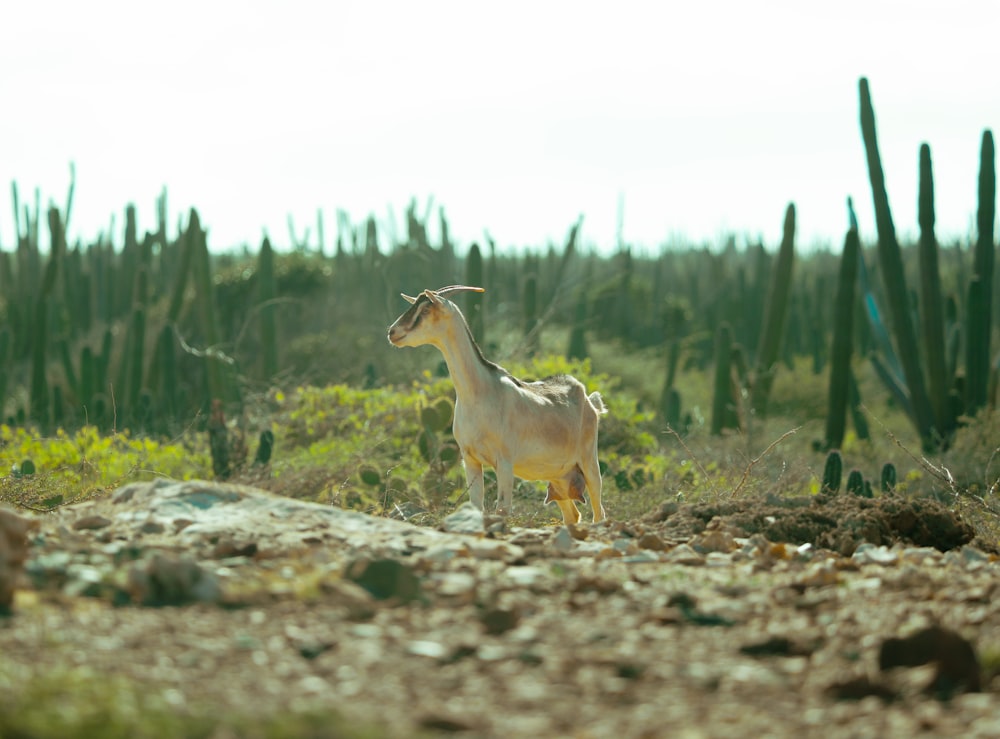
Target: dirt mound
[839,523]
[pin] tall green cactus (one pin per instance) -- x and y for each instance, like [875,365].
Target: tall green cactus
[40,393]
[134,361]
[722,396]
[840,353]
[775,313]
[531,325]
[268,319]
[188,246]
[5,345]
[980,302]
[891,262]
[474,300]
[932,302]
[578,332]
[220,386]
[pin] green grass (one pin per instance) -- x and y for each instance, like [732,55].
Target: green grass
[77,703]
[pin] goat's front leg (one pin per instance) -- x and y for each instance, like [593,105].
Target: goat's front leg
[474,477]
[505,487]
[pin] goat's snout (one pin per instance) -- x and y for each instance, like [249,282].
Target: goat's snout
[395,334]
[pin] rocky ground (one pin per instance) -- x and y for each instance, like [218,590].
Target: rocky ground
[837,617]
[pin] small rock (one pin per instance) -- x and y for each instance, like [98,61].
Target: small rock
[13,551]
[651,541]
[497,621]
[467,519]
[643,555]
[169,581]
[152,527]
[718,540]
[386,579]
[955,657]
[91,523]
[868,553]
[456,584]
[563,540]
[432,649]
[684,554]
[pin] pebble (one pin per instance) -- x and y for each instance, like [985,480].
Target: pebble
[684,554]
[867,553]
[467,519]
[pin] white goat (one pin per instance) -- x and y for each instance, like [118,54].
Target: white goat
[545,430]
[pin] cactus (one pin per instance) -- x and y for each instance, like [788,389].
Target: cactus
[474,300]
[531,324]
[578,333]
[774,315]
[977,362]
[722,394]
[832,471]
[670,407]
[840,352]
[932,302]
[40,393]
[136,345]
[856,483]
[5,345]
[265,299]
[218,441]
[265,447]
[189,240]
[220,383]
[894,279]
[369,476]
[166,394]
[858,419]
[888,478]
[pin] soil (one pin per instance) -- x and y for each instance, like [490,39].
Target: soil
[836,616]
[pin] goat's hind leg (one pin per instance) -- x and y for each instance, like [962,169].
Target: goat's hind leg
[505,487]
[592,474]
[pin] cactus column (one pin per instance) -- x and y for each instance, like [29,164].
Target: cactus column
[774,315]
[977,362]
[931,302]
[891,262]
[843,330]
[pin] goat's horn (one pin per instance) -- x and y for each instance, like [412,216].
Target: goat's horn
[408,299]
[459,288]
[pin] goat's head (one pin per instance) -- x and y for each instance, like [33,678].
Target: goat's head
[425,321]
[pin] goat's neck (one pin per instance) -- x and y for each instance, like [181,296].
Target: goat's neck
[468,368]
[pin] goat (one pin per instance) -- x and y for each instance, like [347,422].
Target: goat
[544,430]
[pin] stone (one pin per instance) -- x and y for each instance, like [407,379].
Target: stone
[91,523]
[467,519]
[13,551]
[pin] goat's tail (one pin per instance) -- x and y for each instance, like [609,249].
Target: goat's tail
[597,402]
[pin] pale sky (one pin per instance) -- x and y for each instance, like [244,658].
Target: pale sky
[706,117]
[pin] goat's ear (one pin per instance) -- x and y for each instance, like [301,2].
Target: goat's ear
[433,297]
[408,299]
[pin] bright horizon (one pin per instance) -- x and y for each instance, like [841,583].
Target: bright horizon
[705,119]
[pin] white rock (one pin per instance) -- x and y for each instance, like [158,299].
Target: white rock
[467,519]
